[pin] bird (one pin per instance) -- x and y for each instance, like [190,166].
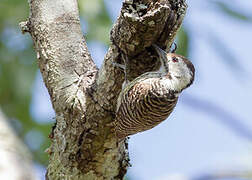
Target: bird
[150,98]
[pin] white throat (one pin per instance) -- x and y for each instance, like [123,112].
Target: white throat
[180,76]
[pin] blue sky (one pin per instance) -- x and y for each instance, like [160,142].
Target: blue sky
[192,141]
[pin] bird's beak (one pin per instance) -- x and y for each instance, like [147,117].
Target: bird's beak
[163,58]
[162,54]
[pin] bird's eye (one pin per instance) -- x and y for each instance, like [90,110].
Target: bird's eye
[174,59]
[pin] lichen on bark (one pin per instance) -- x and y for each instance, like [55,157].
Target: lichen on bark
[84,98]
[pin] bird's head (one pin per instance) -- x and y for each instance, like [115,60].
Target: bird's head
[179,69]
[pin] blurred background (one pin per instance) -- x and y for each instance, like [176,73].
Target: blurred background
[209,134]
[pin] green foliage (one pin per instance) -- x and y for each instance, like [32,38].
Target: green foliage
[18,65]
[98,21]
[183,42]
[18,68]
[12,12]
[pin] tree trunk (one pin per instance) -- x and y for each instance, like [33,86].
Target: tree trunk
[83,97]
[15,157]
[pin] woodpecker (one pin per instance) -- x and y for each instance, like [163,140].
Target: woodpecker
[150,98]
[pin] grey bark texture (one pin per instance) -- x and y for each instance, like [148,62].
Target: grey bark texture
[84,146]
[15,157]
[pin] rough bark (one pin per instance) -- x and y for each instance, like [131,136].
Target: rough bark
[84,99]
[15,157]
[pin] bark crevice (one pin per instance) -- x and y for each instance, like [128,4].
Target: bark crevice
[84,98]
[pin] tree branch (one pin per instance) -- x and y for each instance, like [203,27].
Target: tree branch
[15,157]
[83,144]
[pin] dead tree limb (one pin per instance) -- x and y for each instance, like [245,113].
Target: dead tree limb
[83,97]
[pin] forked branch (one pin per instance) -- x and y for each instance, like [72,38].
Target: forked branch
[83,145]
